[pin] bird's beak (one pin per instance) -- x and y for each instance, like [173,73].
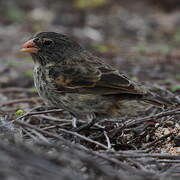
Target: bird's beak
[29,47]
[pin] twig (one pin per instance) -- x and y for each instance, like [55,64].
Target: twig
[29,134]
[156,116]
[49,127]
[131,122]
[168,161]
[67,143]
[39,135]
[145,155]
[34,113]
[84,138]
[107,139]
[137,164]
[63,130]
[50,118]
[39,112]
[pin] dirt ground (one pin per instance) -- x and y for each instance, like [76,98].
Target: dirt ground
[142,39]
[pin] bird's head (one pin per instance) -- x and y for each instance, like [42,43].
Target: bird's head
[46,47]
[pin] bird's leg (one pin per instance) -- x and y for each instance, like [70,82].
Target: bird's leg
[86,126]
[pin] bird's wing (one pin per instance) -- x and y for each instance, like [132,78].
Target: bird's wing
[92,79]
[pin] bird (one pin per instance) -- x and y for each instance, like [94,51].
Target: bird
[68,76]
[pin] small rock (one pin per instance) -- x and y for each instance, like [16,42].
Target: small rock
[169,123]
[166,131]
[156,125]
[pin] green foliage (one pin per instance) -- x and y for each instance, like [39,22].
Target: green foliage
[135,78]
[15,14]
[177,36]
[19,112]
[29,73]
[168,81]
[104,48]
[27,59]
[177,76]
[101,48]
[10,63]
[175,88]
[14,63]
[33,90]
[83,4]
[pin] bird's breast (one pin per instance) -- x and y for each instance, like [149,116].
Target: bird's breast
[40,81]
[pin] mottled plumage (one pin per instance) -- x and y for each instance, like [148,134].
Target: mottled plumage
[69,77]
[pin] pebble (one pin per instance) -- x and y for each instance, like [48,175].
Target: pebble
[166,131]
[169,123]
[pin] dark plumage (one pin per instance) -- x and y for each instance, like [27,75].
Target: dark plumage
[69,77]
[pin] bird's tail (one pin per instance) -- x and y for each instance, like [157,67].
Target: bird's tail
[155,96]
[157,100]
[160,97]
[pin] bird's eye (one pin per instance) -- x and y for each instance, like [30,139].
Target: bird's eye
[47,42]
